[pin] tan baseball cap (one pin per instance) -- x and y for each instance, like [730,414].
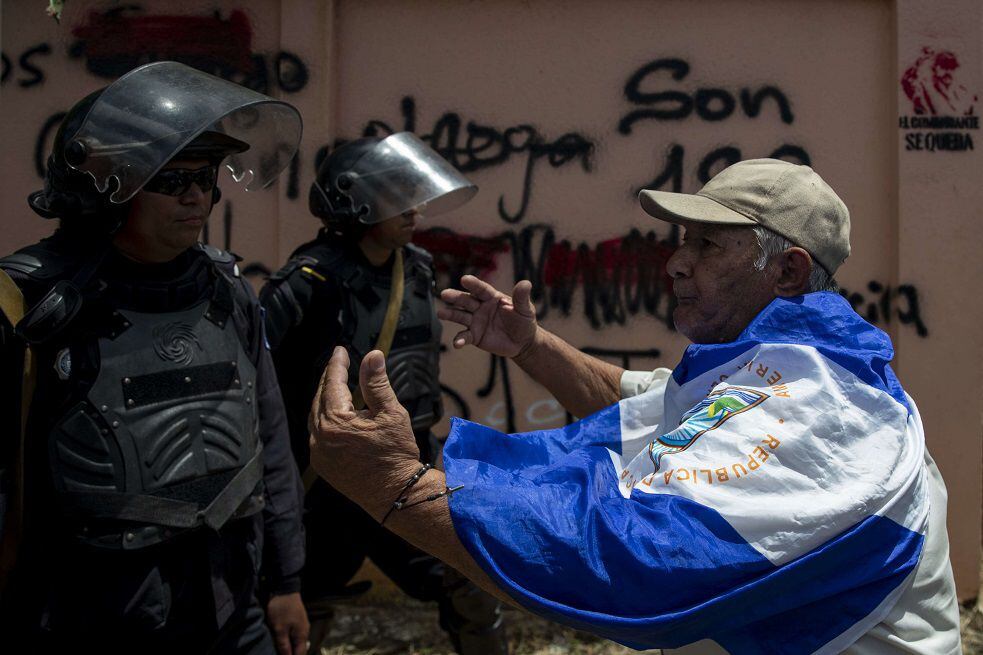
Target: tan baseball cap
[786,198]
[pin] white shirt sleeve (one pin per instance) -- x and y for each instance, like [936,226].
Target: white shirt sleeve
[636,382]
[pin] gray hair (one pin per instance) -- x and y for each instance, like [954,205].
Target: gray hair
[771,244]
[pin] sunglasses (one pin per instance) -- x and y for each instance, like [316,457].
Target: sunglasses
[177,181]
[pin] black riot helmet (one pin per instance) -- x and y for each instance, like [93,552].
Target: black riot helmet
[115,140]
[71,195]
[328,199]
[370,180]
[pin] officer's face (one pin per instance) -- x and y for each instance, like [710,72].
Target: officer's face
[395,232]
[160,227]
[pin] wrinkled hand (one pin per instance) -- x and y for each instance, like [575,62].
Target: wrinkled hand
[368,455]
[288,621]
[496,323]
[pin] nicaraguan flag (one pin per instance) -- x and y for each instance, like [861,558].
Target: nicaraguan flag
[769,495]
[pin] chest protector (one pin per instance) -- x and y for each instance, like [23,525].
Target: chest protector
[166,439]
[413,363]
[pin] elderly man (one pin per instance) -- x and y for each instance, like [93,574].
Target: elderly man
[770,494]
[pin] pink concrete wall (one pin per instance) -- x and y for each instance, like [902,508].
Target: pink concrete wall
[535,101]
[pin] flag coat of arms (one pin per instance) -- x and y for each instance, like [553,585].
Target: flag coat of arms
[769,495]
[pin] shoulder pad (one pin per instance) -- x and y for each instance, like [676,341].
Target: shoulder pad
[225,260]
[418,253]
[42,261]
[325,259]
[292,266]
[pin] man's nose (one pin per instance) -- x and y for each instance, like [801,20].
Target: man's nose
[193,195]
[680,263]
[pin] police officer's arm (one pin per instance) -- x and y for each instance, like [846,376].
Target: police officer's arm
[283,551]
[301,310]
[506,325]
[369,456]
[11,366]
[12,350]
[284,543]
[285,298]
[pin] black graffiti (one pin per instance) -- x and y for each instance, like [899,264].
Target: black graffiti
[901,302]
[291,72]
[287,70]
[473,147]
[498,363]
[670,178]
[293,177]
[710,104]
[625,356]
[248,269]
[27,64]
[463,409]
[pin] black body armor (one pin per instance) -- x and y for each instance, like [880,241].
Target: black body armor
[154,429]
[413,364]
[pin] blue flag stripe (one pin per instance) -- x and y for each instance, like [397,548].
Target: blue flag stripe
[822,319]
[636,586]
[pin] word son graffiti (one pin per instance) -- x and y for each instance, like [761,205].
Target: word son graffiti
[708,104]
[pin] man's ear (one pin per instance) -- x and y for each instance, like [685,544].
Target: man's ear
[793,275]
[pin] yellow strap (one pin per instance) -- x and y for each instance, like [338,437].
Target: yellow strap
[383,343]
[11,299]
[13,306]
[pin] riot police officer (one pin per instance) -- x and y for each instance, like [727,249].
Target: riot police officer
[363,285]
[153,460]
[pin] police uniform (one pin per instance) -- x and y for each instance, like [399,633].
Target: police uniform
[157,460]
[153,477]
[329,294]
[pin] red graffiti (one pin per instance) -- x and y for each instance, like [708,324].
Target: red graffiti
[931,85]
[620,261]
[119,39]
[457,254]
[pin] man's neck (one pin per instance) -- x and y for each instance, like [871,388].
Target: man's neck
[144,255]
[376,253]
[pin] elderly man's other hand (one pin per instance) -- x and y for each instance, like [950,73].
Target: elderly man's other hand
[497,323]
[368,455]
[288,621]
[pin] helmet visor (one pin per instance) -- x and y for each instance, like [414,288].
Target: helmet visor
[401,173]
[145,118]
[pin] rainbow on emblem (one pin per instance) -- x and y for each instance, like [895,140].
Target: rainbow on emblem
[709,414]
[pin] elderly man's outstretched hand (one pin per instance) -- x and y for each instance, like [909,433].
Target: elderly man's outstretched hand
[365,453]
[497,323]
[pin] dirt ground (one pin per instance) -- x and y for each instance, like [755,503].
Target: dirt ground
[385,622]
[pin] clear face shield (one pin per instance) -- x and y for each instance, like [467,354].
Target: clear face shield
[145,118]
[401,173]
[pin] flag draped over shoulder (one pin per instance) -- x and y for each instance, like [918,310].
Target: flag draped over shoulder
[769,495]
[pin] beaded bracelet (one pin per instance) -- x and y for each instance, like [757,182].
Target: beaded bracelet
[402,499]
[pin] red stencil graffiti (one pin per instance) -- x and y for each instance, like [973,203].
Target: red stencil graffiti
[933,88]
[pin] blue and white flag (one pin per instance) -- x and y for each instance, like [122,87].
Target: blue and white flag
[769,495]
